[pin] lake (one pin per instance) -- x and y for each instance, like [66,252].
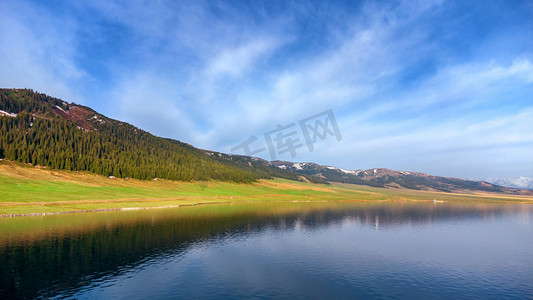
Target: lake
[341,250]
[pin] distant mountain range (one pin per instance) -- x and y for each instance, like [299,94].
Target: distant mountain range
[46,131]
[380,177]
[517,183]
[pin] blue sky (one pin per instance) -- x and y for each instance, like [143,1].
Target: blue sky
[443,87]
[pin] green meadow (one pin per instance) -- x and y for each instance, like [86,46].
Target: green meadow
[25,189]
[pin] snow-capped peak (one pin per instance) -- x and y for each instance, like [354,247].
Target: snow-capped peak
[520,182]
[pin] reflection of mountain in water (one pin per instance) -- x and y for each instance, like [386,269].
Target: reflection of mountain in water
[44,267]
[387,216]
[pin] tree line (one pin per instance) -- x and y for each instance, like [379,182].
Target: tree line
[38,136]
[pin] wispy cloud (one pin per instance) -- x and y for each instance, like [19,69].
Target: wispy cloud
[38,51]
[451,114]
[236,61]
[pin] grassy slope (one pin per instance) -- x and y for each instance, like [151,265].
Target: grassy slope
[25,189]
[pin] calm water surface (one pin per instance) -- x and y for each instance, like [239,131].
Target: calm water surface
[282,250]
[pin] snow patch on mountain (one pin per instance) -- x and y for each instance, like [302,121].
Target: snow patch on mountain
[348,171]
[342,170]
[60,108]
[5,113]
[95,117]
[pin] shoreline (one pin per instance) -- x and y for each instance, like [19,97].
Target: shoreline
[108,209]
[152,207]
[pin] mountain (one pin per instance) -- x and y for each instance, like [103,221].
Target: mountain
[517,183]
[46,131]
[381,177]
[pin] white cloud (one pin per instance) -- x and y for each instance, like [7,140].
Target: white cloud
[352,71]
[149,101]
[461,126]
[37,51]
[238,60]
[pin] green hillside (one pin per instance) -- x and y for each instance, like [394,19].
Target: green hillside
[49,132]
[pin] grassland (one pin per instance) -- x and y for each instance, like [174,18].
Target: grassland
[31,190]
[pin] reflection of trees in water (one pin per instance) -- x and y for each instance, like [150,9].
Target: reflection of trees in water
[30,268]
